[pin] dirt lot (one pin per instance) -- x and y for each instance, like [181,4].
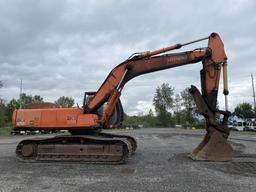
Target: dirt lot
[160,164]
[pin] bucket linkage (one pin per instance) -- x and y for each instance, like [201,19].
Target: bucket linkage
[215,146]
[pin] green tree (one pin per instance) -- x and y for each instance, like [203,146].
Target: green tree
[1,85]
[189,105]
[2,114]
[244,110]
[163,101]
[10,107]
[26,100]
[65,102]
[177,104]
[2,109]
[37,99]
[150,113]
[150,119]
[178,112]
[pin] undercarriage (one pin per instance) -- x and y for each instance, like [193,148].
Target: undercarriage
[100,148]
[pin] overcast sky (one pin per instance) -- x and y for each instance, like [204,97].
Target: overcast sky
[63,48]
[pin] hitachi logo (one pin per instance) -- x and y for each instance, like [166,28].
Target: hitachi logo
[177,59]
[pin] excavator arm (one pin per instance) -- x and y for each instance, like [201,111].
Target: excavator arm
[139,66]
[213,57]
[110,91]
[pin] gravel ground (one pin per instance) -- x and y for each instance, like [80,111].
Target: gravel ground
[160,164]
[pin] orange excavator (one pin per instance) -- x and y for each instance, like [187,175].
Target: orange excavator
[103,109]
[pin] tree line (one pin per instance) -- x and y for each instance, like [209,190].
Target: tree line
[178,109]
[170,109]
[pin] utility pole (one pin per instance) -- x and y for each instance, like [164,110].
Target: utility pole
[253,92]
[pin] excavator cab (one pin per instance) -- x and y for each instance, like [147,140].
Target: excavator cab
[117,116]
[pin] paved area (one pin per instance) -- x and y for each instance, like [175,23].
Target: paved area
[160,164]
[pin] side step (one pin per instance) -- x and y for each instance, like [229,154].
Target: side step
[83,148]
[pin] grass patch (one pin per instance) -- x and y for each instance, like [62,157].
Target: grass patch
[5,131]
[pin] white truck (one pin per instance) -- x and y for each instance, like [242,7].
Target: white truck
[251,126]
[239,125]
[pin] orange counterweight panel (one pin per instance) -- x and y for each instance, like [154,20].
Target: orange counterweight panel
[54,119]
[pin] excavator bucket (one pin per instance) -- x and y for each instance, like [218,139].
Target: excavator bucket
[215,146]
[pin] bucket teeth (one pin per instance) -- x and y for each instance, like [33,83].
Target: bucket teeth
[214,147]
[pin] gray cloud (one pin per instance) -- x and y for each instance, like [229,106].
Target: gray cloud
[68,47]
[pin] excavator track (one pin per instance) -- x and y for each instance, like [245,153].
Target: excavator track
[101,149]
[131,139]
